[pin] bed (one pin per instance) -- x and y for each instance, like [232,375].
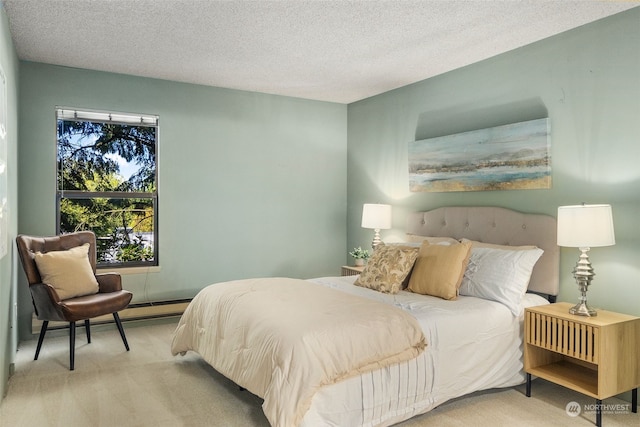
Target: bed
[471,342]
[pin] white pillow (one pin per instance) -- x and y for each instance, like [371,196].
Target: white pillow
[500,275]
[414,238]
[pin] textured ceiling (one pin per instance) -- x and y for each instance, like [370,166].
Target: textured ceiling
[339,51]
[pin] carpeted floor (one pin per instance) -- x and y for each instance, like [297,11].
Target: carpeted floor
[149,387]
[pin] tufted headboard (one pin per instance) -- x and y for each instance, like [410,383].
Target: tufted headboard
[499,226]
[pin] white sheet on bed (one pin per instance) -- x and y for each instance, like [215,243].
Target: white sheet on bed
[473,344]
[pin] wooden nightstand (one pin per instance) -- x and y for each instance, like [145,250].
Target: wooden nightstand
[348,270]
[596,356]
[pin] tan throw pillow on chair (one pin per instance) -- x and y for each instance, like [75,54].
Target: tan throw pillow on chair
[69,272]
[439,269]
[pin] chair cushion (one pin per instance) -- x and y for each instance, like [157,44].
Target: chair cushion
[69,272]
[95,305]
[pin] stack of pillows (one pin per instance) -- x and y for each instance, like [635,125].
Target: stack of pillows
[445,268]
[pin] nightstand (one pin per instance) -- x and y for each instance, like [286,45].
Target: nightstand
[596,356]
[348,270]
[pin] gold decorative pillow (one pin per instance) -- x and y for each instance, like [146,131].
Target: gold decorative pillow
[387,268]
[69,272]
[439,269]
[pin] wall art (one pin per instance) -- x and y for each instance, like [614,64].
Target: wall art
[516,156]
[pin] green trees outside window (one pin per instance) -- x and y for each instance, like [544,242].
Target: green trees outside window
[107,183]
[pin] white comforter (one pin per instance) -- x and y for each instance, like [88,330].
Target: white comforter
[473,344]
[284,339]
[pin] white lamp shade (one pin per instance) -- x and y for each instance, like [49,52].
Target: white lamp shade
[585,226]
[376,216]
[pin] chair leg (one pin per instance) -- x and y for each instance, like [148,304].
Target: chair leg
[43,330]
[119,325]
[87,329]
[72,344]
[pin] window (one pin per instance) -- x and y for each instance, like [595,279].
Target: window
[107,183]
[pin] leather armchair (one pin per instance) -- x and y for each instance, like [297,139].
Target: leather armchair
[110,298]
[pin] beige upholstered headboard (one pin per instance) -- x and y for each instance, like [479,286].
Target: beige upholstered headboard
[499,226]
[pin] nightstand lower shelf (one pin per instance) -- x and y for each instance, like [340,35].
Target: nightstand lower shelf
[567,374]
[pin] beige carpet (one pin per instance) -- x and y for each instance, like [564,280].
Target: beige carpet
[149,387]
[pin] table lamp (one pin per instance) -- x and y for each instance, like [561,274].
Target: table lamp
[377,217]
[584,227]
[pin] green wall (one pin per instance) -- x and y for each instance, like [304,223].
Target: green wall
[587,81]
[249,184]
[8,267]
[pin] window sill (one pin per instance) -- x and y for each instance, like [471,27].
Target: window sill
[130,270]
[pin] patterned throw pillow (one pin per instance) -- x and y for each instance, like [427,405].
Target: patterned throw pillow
[387,268]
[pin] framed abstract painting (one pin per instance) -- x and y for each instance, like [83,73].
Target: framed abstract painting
[510,157]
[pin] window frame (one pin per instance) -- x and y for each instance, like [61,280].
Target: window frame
[117,118]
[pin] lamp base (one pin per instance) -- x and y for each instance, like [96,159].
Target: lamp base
[582,309]
[583,273]
[376,238]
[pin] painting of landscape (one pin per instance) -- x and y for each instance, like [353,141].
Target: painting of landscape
[510,157]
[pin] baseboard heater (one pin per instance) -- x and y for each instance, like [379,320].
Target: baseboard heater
[141,311]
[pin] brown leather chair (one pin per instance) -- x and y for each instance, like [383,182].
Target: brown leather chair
[110,298]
